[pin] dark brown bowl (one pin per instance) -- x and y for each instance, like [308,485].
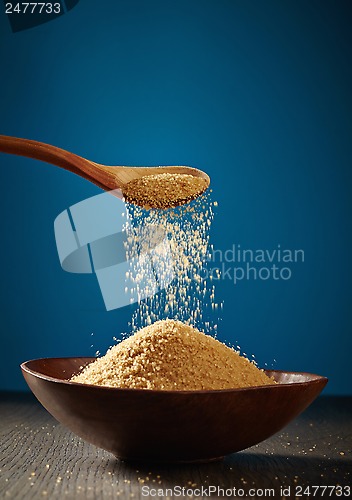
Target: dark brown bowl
[173,426]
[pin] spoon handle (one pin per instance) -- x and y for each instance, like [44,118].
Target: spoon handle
[61,158]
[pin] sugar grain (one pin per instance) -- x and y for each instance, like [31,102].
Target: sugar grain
[170,355]
[164,190]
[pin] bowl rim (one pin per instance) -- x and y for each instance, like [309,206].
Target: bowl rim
[317,379]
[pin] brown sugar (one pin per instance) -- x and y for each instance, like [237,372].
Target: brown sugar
[171,355]
[178,265]
[164,190]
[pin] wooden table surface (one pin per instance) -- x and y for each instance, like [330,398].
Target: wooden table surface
[39,458]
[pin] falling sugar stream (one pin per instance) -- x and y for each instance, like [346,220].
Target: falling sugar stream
[169,278]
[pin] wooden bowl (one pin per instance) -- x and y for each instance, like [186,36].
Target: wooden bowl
[172,426]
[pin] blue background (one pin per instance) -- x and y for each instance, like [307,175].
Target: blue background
[256,93]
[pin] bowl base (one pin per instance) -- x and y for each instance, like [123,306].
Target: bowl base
[170,460]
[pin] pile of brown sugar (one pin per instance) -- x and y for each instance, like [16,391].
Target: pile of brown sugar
[164,190]
[170,355]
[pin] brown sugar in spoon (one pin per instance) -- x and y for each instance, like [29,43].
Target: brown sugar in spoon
[150,187]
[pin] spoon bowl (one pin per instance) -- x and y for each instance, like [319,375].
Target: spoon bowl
[109,178]
[169,426]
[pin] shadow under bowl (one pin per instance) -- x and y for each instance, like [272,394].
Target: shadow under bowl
[169,426]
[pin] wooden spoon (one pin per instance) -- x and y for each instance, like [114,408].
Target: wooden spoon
[107,177]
